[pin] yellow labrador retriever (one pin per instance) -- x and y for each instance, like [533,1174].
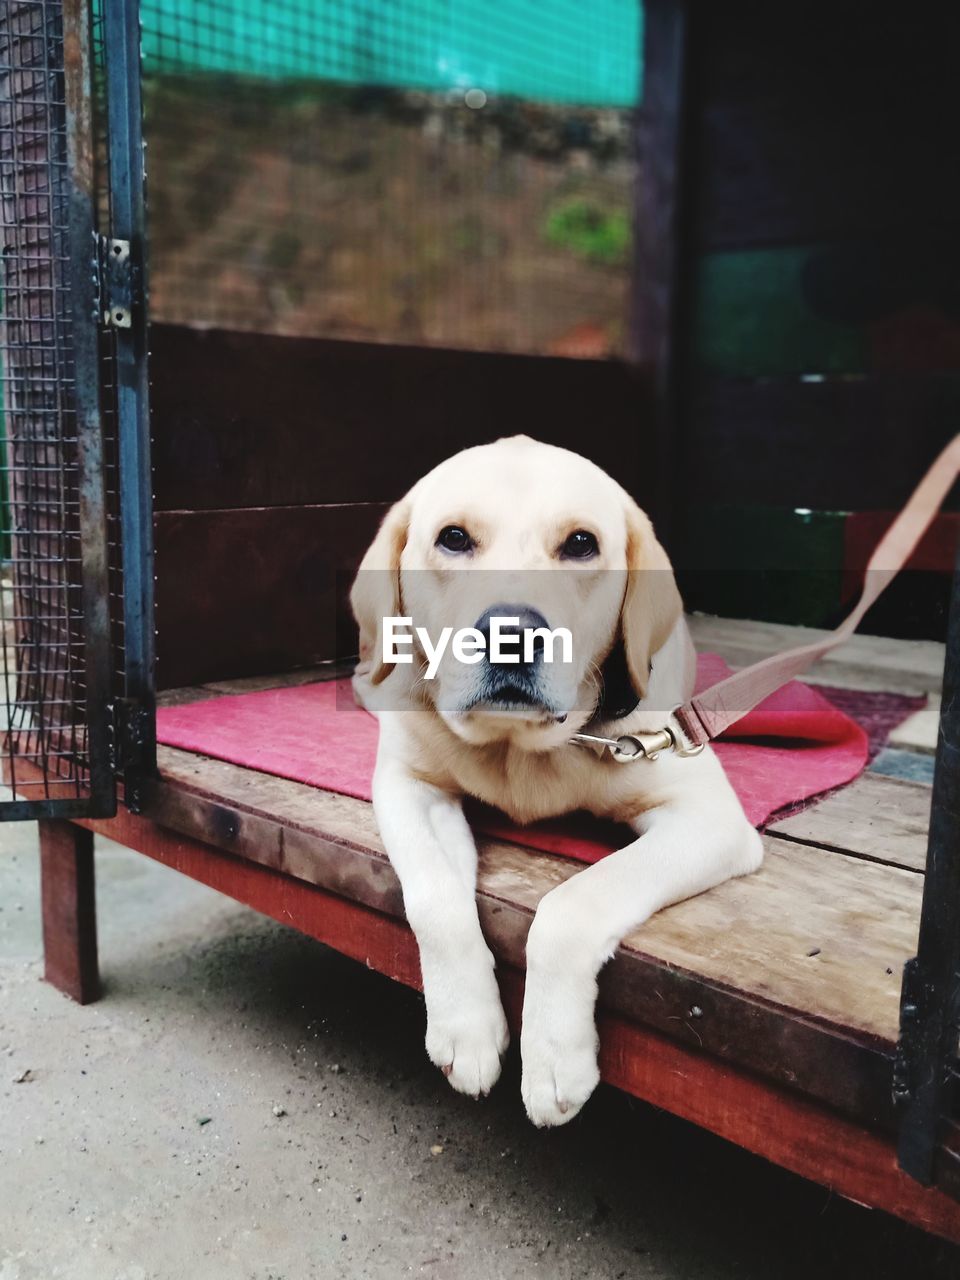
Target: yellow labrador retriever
[543,539]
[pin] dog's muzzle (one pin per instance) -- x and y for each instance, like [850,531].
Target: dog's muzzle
[514,684]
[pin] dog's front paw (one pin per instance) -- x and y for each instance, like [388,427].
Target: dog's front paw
[467,1032]
[558,1045]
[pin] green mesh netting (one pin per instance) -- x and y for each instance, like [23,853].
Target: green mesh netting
[564,51]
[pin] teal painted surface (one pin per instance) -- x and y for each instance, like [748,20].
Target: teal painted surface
[753,318]
[564,51]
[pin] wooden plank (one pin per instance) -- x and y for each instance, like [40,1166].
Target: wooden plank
[783,164]
[255,684]
[254,420]
[767,442]
[68,908]
[186,693]
[775,1123]
[255,590]
[919,731]
[875,817]
[333,670]
[669,968]
[936,551]
[864,662]
[762,972]
[769,168]
[752,935]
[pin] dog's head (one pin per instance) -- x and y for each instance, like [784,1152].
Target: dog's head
[542,539]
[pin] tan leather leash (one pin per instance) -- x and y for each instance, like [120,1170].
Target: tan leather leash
[706,715]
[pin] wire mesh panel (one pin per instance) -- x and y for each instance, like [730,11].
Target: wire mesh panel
[439,172]
[54,698]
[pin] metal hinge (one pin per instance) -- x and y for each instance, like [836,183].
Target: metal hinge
[116,283]
[134,739]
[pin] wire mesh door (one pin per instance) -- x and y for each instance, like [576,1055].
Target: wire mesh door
[55,698]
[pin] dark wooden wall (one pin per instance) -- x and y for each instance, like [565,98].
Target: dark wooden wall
[821,268]
[275,458]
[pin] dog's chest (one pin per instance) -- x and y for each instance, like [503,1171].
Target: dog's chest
[524,787]
[529,786]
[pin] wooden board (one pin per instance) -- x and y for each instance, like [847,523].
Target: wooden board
[878,818]
[68,908]
[334,670]
[750,934]
[773,1122]
[792,443]
[254,420]
[331,842]
[935,552]
[255,590]
[783,161]
[742,954]
[919,731]
[255,684]
[864,662]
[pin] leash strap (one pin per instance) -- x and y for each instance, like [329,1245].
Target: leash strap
[708,714]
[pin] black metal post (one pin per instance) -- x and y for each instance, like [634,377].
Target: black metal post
[661,258]
[931,983]
[136,721]
[90,459]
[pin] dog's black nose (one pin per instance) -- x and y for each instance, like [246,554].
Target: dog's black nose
[527,619]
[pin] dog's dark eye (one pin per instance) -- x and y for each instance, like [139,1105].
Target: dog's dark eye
[452,538]
[579,546]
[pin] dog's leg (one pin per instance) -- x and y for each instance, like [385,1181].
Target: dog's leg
[432,850]
[695,840]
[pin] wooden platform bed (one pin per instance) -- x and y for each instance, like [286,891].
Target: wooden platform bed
[765,1011]
[773,396]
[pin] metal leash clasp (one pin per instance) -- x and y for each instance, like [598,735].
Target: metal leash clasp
[641,745]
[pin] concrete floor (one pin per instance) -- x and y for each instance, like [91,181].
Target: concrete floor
[144,1143]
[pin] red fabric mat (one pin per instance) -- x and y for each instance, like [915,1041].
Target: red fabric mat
[791,747]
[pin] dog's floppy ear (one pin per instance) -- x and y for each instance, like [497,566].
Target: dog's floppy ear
[375,593]
[651,602]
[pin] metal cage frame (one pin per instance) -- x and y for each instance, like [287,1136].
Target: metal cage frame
[78,642]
